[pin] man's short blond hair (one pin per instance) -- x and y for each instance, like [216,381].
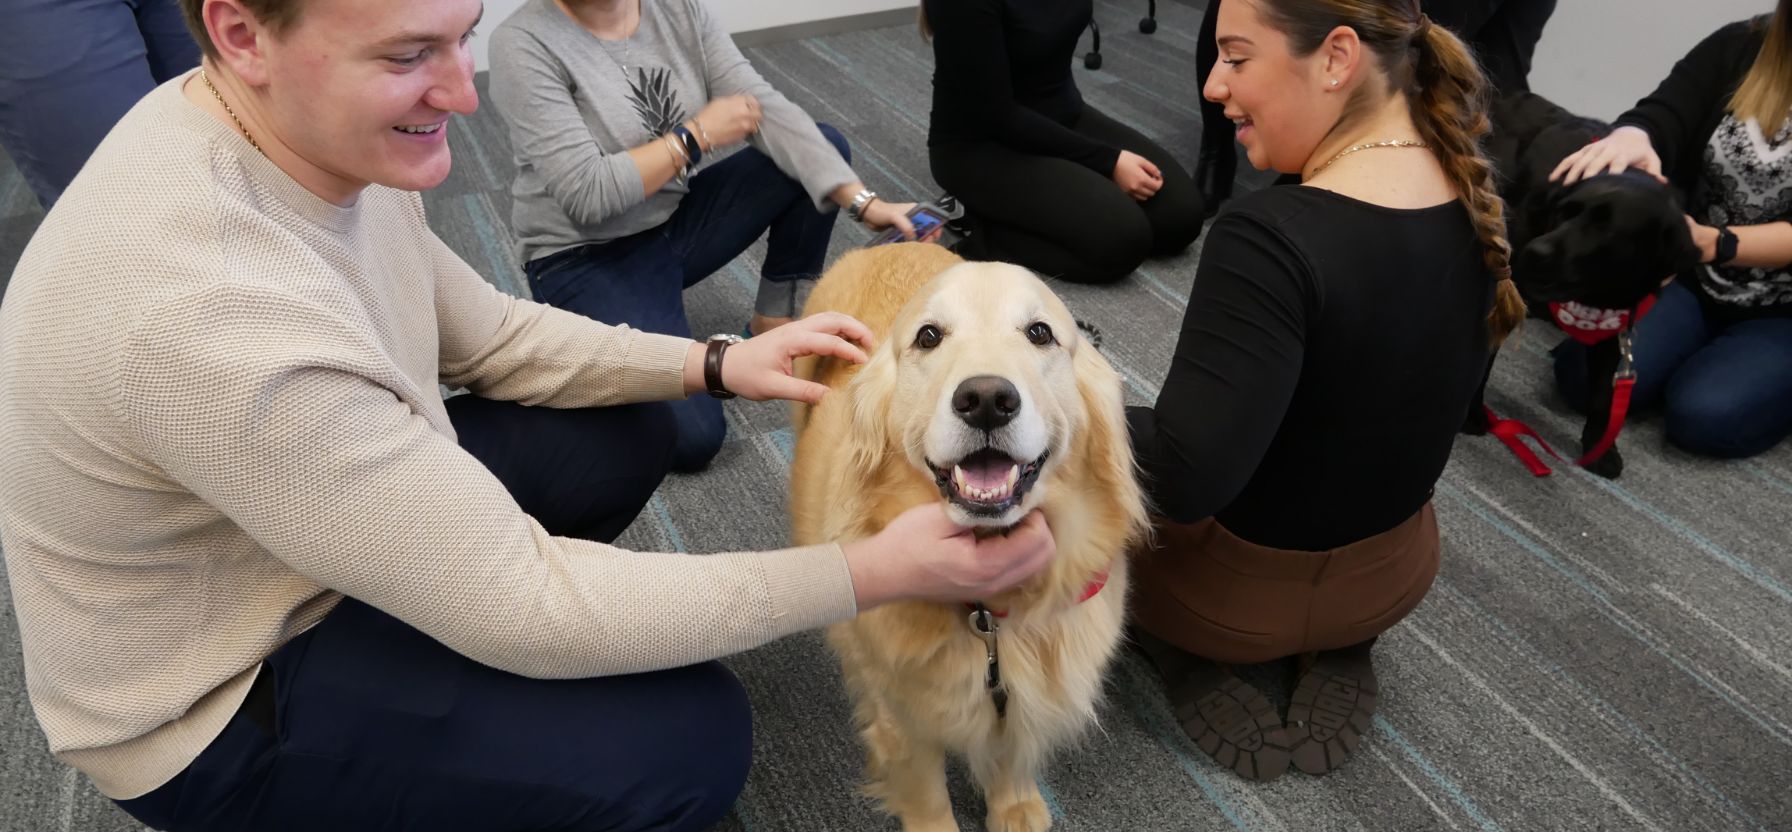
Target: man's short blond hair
[278,15]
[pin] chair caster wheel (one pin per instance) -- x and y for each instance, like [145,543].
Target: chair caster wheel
[1148,25]
[1092,60]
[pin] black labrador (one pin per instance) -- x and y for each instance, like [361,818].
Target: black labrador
[1605,243]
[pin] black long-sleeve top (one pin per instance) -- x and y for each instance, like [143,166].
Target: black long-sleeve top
[1682,113]
[1002,74]
[1327,359]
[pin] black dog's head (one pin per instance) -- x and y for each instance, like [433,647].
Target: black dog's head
[1610,241]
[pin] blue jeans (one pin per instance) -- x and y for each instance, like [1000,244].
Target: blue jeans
[69,69]
[1725,386]
[640,280]
[365,723]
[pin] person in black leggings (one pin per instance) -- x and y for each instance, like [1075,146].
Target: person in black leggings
[1502,33]
[1046,181]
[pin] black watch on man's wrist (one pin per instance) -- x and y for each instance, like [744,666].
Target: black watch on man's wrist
[712,364]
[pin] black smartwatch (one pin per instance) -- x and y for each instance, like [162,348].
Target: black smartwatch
[712,364]
[1727,241]
[692,148]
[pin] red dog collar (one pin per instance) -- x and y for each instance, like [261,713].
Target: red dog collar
[1590,325]
[1093,589]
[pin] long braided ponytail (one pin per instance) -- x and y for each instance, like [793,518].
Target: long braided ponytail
[1449,97]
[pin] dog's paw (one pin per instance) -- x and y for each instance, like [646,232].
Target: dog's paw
[1608,466]
[1030,815]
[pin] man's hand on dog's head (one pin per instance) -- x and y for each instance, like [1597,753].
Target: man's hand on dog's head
[759,368]
[923,556]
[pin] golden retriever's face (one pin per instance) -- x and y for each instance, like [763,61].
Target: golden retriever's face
[976,384]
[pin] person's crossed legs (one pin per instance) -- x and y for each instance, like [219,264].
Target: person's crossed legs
[640,280]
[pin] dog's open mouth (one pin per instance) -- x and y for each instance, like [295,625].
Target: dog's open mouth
[988,482]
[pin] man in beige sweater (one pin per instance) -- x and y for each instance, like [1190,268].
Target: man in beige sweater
[266,578]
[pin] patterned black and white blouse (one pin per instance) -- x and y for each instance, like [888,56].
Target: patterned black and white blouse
[1751,184]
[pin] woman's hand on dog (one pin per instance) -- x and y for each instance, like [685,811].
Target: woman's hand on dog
[759,368]
[923,556]
[1625,148]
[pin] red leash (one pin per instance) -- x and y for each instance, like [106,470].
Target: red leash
[1623,382]
[1512,432]
[1588,326]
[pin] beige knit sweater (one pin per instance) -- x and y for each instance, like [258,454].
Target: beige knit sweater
[219,414]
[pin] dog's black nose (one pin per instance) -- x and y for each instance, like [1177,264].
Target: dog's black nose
[986,402]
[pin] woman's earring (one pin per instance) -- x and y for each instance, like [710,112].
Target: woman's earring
[1334,82]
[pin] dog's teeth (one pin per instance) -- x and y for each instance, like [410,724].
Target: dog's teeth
[958,478]
[1013,477]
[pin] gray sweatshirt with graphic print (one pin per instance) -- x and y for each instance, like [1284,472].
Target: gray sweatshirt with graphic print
[577,103]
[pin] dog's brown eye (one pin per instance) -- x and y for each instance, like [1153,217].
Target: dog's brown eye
[928,337]
[1041,334]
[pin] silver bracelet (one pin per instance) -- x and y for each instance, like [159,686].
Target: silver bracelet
[681,162]
[704,135]
[679,156]
[860,201]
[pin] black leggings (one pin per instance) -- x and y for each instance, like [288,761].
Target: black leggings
[1502,33]
[1061,219]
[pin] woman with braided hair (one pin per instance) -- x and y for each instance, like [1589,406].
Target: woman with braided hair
[1334,337]
[1502,34]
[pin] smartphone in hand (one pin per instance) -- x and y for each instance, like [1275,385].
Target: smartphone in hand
[928,220]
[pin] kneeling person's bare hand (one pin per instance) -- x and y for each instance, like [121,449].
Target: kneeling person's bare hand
[923,556]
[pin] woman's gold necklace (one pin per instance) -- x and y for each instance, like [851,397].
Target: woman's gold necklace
[239,122]
[1365,146]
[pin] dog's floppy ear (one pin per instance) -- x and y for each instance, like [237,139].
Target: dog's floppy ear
[1106,443]
[868,398]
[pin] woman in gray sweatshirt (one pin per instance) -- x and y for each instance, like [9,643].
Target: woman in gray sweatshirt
[619,111]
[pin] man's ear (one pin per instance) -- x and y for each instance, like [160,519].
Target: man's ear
[240,39]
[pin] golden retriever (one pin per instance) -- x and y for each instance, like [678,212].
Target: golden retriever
[982,392]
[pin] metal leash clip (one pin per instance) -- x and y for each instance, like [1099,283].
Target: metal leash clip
[1626,358]
[986,627]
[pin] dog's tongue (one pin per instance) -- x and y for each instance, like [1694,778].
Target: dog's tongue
[986,469]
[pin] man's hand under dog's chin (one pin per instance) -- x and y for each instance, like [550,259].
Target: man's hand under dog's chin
[923,555]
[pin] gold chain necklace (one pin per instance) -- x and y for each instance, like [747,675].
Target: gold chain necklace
[1365,146]
[239,122]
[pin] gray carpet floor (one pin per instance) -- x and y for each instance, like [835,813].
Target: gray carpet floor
[1595,655]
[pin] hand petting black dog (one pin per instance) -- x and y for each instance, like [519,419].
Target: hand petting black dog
[1593,253]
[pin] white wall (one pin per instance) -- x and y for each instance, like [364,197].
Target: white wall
[736,15]
[1598,57]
